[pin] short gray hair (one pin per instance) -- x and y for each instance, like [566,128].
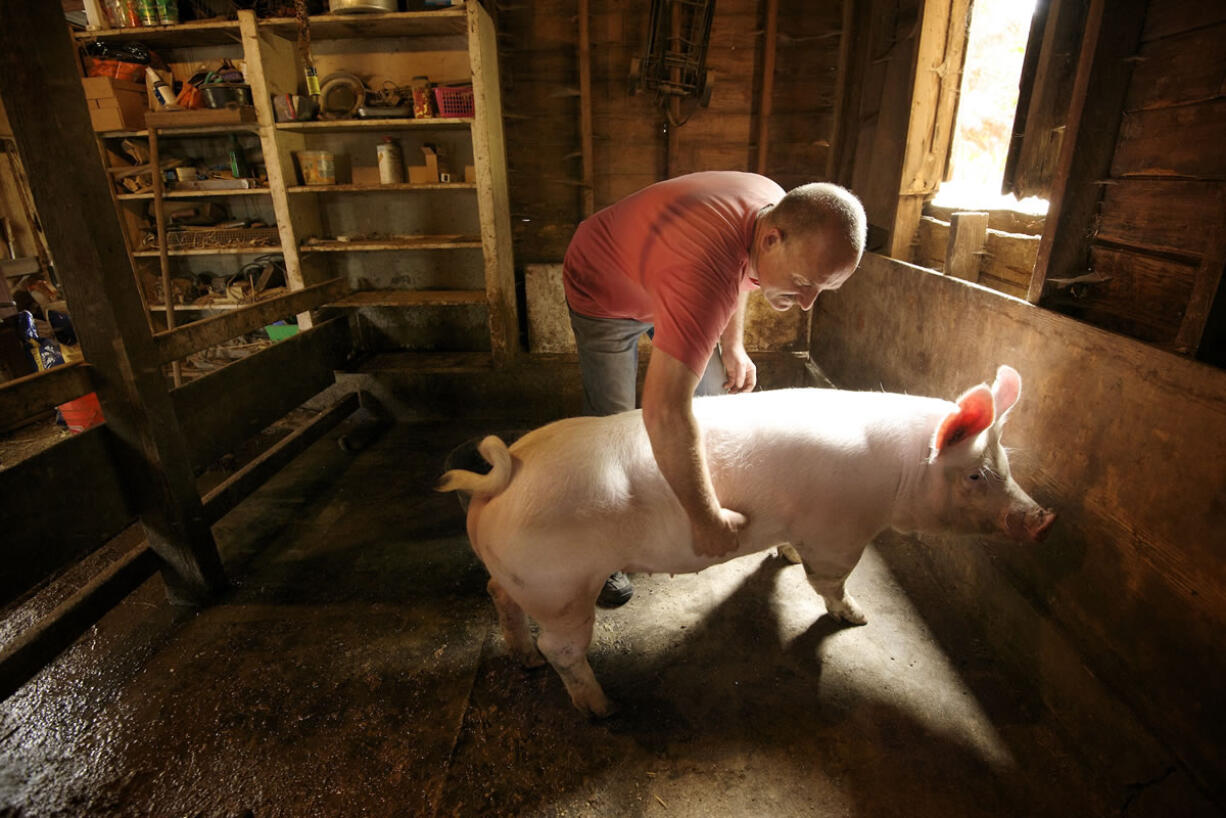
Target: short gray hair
[817,205]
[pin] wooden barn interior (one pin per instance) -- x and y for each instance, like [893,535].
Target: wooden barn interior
[231,377]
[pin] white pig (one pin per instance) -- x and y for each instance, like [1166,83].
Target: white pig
[825,470]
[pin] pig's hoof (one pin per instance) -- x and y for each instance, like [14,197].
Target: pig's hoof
[607,710]
[847,610]
[788,552]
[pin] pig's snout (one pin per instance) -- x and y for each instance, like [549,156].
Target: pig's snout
[1029,524]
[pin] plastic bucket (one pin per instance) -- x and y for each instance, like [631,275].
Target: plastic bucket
[82,413]
[318,167]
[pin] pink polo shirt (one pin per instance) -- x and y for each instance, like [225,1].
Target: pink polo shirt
[674,254]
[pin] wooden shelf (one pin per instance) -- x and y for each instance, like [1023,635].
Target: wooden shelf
[193,130]
[193,194]
[380,188]
[197,307]
[441,23]
[395,124]
[411,298]
[393,245]
[183,35]
[213,251]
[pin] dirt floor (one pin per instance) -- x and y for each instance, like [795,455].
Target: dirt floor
[355,669]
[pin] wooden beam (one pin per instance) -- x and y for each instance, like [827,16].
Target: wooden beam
[183,341]
[968,234]
[28,396]
[59,505]
[770,47]
[1088,146]
[41,90]
[585,107]
[1206,286]
[30,652]
[226,407]
[218,502]
[846,95]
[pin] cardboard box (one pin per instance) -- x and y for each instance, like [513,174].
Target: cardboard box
[365,175]
[431,172]
[115,105]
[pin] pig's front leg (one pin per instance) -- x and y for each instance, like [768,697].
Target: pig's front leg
[565,644]
[829,578]
[514,625]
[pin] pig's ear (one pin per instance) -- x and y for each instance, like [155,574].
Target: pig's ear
[976,411]
[1006,390]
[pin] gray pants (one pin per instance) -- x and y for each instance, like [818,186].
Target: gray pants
[609,361]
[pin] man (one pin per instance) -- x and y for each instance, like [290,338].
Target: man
[677,260]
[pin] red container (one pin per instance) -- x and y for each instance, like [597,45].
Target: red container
[120,70]
[455,100]
[82,413]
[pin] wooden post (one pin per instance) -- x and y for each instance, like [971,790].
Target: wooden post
[1205,287]
[968,235]
[46,107]
[768,81]
[585,107]
[1094,115]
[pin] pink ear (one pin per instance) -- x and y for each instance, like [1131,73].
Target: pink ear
[1006,390]
[974,414]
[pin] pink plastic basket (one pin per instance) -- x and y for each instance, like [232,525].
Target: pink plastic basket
[454,100]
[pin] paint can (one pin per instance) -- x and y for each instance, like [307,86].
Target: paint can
[391,162]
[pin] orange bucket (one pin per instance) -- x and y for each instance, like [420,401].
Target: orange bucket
[82,413]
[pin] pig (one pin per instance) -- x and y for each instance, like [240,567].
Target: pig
[822,469]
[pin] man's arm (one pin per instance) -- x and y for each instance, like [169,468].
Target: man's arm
[676,442]
[741,372]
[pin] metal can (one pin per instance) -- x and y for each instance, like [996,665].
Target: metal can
[391,162]
[423,98]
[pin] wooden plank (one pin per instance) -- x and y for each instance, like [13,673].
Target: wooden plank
[218,502]
[1180,70]
[1144,298]
[1007,221]
[1039,128]
[932,240]
[175,344]
[489,157]
[36,647]
[410,298]
[1169,17]
[1103,74]
[585,107]
[845,78]
[228,406]
[1010,257]
[968,235]
[40,86]
[1162,216]
[1206,285]
[40,538]
[28,396]
[768,82]
[1182,141]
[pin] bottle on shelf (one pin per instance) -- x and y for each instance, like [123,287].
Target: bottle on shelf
[391,162]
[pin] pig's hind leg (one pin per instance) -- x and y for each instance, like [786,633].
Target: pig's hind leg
[514,625]
[565,642]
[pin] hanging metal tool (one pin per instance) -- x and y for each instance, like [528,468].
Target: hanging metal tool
[674,60]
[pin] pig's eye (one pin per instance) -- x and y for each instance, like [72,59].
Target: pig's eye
[974,476]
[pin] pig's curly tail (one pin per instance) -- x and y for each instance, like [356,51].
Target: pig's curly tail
[497,455]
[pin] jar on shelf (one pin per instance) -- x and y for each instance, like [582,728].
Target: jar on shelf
[423,98]
[391,162]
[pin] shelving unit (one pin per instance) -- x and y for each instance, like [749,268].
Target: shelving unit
[430,264]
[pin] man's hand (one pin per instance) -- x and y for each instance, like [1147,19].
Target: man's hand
[741,371]
[719,536]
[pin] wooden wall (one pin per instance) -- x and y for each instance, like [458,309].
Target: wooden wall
[1126,441]
[634,144]
[1163,208]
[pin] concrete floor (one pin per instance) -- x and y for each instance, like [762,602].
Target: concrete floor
[356,670]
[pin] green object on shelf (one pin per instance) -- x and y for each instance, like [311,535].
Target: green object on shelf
[279,332]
